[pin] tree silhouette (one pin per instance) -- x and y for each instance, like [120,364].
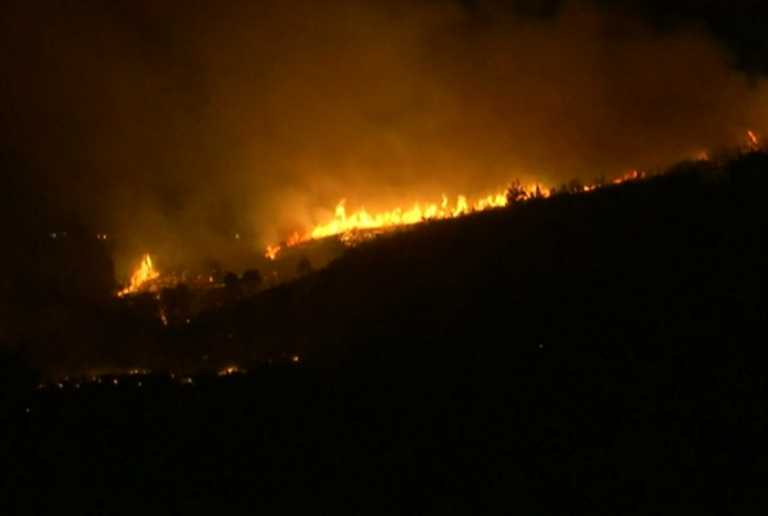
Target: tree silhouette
[516,192]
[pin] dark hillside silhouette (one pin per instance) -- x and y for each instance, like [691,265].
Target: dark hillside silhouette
[644,269]
[587,353]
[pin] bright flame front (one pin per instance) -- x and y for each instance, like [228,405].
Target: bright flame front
[143,273]
[344,223]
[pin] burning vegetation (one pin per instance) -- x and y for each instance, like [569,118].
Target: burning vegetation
[350,226]
[361,224]
[143,274]
[356,226]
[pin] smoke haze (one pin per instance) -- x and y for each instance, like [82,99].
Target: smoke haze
[176,127]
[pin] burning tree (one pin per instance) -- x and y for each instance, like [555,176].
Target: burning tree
[144,273]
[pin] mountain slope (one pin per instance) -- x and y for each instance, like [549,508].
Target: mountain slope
[645,269]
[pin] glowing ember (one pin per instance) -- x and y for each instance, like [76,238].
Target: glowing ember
[230,370]
[754,141]
[144,272]
[345,224]
[163,316]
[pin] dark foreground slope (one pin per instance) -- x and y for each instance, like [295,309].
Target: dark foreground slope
[585,354]
[648,271]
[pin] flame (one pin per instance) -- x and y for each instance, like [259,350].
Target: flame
[143,273]
[632,175]
[360,225]
[346,224]
[272,251]
[230,370]
[702,156]
[754,141]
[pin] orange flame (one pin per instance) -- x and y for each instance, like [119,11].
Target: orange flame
[754,141]
[143,273]
[344,224]
[632,175]
[272,251]
[230,370]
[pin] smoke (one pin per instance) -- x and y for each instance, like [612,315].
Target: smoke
[176,128]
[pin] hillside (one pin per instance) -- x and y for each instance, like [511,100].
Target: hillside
[647,270]
[588,353]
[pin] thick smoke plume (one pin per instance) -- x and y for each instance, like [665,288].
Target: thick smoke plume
[175,128]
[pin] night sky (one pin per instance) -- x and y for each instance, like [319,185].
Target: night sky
[174,126]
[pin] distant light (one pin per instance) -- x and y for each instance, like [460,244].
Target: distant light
[27,410]
[295,359]
[237,236]
[114,381]
[140,384]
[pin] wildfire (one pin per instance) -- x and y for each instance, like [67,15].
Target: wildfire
[346,224]
[143,273]
[632,175]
